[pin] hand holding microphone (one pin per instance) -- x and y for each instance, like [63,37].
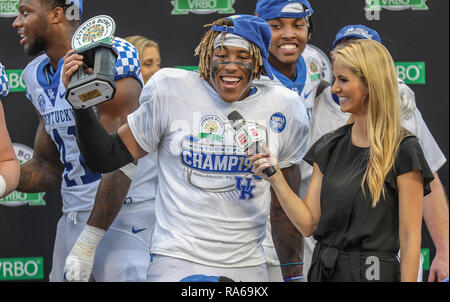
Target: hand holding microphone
[248,138]
[264,165]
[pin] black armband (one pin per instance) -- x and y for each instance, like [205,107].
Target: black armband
[101,151]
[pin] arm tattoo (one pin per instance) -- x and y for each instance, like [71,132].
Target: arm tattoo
[111,193]
[44,171]
[35,179]
[287,240]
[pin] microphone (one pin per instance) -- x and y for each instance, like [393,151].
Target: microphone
[247,136]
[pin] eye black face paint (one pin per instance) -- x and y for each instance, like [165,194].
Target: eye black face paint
[247,67]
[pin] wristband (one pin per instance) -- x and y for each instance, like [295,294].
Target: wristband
[2,186]
[291,263]
[293,278]
[87,242]
[129,170]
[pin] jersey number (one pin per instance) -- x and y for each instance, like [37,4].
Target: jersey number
[88,176]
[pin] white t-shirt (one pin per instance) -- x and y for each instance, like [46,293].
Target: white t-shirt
[210,208]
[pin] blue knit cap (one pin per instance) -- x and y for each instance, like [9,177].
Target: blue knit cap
[356,31]
[253,29]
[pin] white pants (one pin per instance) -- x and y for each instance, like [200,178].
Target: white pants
[169,269]
[123,252]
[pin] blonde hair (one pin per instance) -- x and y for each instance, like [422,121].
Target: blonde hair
[205,51]
[372,62]
[141,42]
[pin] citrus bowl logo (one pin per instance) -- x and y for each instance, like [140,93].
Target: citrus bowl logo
[212,128]
[93,33]
[23,153]
[93,30]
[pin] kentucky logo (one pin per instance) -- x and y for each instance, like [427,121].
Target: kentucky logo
[183,7]
[246,188]
[51,94]
[42,102]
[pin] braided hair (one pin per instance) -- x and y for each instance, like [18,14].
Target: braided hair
[205,50]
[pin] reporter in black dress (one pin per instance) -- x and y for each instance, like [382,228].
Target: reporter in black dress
[364,201]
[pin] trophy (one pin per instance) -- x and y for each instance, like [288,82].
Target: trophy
[93,40]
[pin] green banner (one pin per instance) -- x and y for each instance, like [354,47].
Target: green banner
[193,68]
[21,268]
[426,259]
[9,8]
[377,5]
[183,7]
[16,198]
[411,72]
[16,83]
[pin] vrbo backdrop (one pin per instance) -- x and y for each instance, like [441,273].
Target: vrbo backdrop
[415,32]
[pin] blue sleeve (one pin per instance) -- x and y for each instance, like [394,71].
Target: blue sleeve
[4,85]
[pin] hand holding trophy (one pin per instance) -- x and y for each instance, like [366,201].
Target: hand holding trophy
[93,40]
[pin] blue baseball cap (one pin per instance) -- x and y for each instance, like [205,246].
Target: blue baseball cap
[253,29]
[274,9]
[356,31]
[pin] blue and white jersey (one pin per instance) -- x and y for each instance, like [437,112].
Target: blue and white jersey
[47,93]
[210,208]
[313,67]
[4,86]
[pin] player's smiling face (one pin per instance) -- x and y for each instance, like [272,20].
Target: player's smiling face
[31,25]
[289,38]
[231,72]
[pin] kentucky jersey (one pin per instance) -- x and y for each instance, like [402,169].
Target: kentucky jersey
[313,67]
[210,208]
[47,93]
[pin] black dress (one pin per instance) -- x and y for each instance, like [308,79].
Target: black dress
[357,242]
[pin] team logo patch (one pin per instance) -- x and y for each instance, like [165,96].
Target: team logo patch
[212,128]
[42,102]
[313,66]
[277,122]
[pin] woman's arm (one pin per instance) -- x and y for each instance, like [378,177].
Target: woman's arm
[410,187]
[304,215]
